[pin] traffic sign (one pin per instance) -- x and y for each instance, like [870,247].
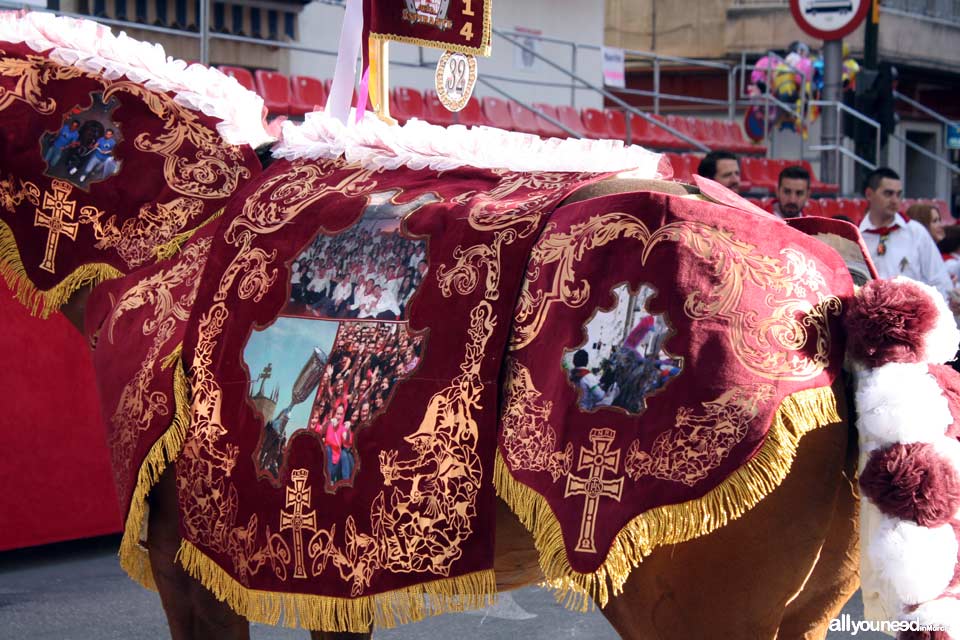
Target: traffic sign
[953,136]
[829,19]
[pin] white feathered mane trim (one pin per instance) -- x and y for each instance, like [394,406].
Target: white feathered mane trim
[91,46]
[373,144]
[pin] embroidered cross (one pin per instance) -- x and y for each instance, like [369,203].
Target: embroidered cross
[298,498]
[60,210]
[597,461]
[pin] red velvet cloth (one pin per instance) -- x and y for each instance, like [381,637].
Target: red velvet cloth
[55,470]
[464,26]
[168,171]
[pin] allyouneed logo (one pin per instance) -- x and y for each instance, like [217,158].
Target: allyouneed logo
[853,627]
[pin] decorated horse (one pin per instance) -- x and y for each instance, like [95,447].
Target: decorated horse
[337,375]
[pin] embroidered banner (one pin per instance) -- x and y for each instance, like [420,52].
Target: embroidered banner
[100,176]
[666,355]
[453,25]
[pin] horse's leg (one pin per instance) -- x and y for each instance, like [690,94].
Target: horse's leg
[192,611]
[737,582]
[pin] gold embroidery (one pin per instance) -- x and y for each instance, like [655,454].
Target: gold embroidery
[32,72]
[216,167]
[421,526]
[61,209]
[11,196]
[529,442]
[138,405]
[766,344]
[699,444]
[210,508]
[298,499]
[510,218]
[596,461]
[138,239]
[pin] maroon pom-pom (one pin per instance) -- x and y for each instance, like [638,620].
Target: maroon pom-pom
[888,322]
[912,482]
[949,381]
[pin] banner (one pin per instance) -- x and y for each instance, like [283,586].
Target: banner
[453,25]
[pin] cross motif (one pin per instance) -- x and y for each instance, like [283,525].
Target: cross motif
[597,460]
[298,498]
[60,210]
[264,375]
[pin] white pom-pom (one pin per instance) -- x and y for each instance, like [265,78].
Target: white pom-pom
[912,563]
[901,403]
[944,612]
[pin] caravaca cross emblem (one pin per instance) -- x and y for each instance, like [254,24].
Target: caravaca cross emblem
[597,461]
[57,210]
[298,499]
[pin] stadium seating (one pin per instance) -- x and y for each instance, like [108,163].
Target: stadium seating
[815,185]
[307,94]
[571,119]
[497,112]
[435,113]
[473,115]
[274,88]
[544,127]
[524,120]
[241,75]
[406,104]
[595,124]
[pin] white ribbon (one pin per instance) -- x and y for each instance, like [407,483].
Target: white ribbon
[345,76]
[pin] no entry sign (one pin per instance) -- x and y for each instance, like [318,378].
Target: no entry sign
[829,19]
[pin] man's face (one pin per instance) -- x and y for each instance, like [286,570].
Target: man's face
[885,199]
[792,193]
[109,134]
[728,174]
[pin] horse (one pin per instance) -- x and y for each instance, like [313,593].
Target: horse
[784,569]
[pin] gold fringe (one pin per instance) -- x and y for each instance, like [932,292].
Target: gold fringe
[173,246]
[133,556]
[45,303]
[326,613]
[799,414]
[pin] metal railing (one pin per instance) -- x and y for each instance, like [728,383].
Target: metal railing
[952,168]
[839,109]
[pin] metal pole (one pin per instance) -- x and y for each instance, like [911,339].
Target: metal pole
[573,69]
[656,86]
[204,32]
[732,94]
[832,79]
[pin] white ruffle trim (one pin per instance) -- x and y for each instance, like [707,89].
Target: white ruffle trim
[904,565]
[91,46]
[419,145]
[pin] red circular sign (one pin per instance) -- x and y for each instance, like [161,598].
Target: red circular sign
[829,19]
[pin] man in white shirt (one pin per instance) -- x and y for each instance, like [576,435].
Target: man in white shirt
[899,247]
[793,191]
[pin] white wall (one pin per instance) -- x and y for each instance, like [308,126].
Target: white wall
[581,22]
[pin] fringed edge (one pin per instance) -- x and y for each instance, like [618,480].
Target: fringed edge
[173,246]
[327,613]
[799,414]
[45,303]
[133,556]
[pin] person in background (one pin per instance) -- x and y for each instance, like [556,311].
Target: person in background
[722,167]
[793,191]
[929,216]
[899,247]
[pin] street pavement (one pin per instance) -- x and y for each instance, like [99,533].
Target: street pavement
[77,591]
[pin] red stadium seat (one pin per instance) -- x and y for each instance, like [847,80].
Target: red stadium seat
[274,88]
[435,113]
[407,104]
[617,124]
[595,124]
[306,95]
[497,113]
[545,127]
[241,75]
[648,134]
[754,171]
[523,119]
[473,115]
[571,119]
[853,208]
[815,185]
[681,124]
